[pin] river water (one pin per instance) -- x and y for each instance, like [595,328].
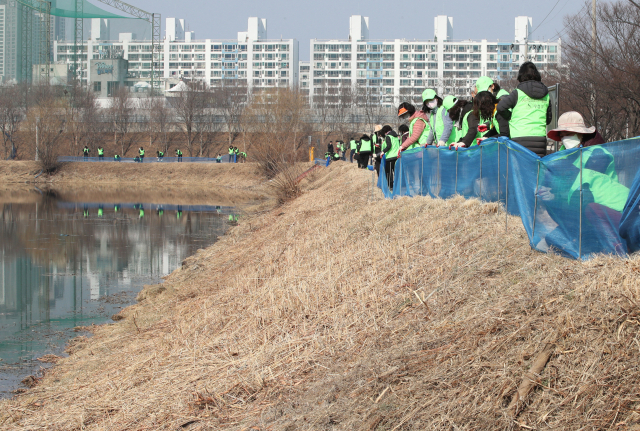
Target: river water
[68,262]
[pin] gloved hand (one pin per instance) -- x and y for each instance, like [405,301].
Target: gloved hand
[399,152]
[442,144]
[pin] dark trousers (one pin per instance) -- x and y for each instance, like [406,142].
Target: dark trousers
[364,159]
[180,158]
[141,158]
[390,171]
[86,156]
[376,165]
[351,154]
[100,157]
[230,158]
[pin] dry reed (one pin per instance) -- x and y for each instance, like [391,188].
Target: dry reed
[333,313]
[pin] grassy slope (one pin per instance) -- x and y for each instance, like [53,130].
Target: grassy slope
[337,313]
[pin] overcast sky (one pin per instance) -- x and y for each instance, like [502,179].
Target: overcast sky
[329,19]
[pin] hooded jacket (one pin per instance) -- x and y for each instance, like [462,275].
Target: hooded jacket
[535,90]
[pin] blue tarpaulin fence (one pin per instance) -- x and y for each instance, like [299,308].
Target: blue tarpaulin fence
[578,202]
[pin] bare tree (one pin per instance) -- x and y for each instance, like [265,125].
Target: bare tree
[121,115]
[189,105]
[160,124]
[230,99]
[81,117]
[602,82]
[274,129]
[45,124]
[11,115]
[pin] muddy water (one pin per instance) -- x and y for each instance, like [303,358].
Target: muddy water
[72,259]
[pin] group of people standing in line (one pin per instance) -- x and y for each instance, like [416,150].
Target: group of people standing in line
[138,159]
[523,116]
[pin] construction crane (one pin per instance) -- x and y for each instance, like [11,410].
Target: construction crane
[40,12]
[151,18]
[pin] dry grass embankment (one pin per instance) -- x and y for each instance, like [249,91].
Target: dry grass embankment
[334,313]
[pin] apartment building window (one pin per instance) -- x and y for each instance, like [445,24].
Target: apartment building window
[213,56]
[406,57]
[316,56]
[242,47]
[418,65]
[388,57]
[419,48]
[318,47]
[284,47]
[227,47]
[553,48]
[388,48]
[419,57]
[375,57]
[362,56]
[242,65]
[319,65]
[476,57]
[97,87]
[404,48]
[492,48]
[492,66]
[346,65]
[173,48]
[362,48]
[387,65]
[257,47]
[375,48]
[405,82]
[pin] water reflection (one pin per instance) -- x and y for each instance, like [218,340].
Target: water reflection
[66,264]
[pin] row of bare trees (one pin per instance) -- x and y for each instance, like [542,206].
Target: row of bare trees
[601,78]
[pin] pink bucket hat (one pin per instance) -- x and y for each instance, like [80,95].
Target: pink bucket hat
[570,121]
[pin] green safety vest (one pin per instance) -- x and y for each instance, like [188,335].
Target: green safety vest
[243,154]
[605,187]
[437,122]
[230,150]
[116,157]
[353,144]
[141,213]
[101,151]
[374,140]
[85,151]
[423,137]
[465,127]
[160,154]
[100,212]
[395,147]
[141,152]
[236,151]
[178,152]
[529,116]
[365,146]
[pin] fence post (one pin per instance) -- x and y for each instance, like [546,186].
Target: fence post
[439,179]
[580,228]
[535,204]
[506,218]
[455,192]
[424,151]
[499,165]
[480,172]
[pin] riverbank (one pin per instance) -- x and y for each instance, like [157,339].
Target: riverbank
[339,312]
[193,183]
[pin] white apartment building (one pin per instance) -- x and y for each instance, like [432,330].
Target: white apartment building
[304,80]
[391,70]
[251,59]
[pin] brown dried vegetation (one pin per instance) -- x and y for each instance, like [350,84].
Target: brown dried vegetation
[335,312]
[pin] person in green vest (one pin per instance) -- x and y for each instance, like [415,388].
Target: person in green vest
[116,208]
[141,212]
[390,147]
[352,149]
[85,211]
[524,114]
[231,153]
[364,151]
[179,154]
[479,122]
[440,133]
[160,155]
[418,127]
[160,211]
[484,83]
[85,152]
[100,154]
[243,156]
[236,153]
[100,211]
[336,157]
[219,158]
[141,154]
[116,158]
[559,192]
[179,212]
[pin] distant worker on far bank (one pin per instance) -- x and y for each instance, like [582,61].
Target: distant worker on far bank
[160,155]
[179,154]
[141,154]
[230,153]
[85,152]
[219,158]
[116,158]
[100,153]
[243,156]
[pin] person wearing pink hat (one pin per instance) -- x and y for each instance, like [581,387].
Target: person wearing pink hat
[572,132]
[578,179]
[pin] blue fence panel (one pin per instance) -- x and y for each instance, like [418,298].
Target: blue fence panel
[578,202]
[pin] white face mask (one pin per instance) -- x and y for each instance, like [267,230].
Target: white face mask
[432,104]
[571,141]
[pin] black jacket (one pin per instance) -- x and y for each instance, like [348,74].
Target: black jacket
[387,145]
[473,123]
[535,90]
